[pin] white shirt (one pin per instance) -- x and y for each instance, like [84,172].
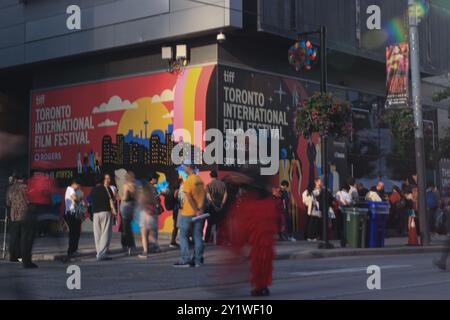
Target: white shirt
[344,198]
[70,205]
[354,193]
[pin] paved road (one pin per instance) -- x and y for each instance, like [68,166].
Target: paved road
[402,277]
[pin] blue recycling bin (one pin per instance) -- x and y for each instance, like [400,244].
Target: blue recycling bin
[378,215]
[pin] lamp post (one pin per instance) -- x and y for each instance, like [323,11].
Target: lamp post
[325,244]
[414,20]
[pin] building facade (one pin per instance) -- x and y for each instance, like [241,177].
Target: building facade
[47,44]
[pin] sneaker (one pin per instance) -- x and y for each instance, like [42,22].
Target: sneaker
[197,265]
[440,264]
[174,245]
[30,266]
[14,260]
[260,292]
[292,239]
[143,256]
[182,265]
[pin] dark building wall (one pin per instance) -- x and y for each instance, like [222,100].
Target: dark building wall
[35,30]
[346,21]
[270,53]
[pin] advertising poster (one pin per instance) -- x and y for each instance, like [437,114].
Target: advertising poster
[397,71]
[444,170]
[118,125]
[253,100]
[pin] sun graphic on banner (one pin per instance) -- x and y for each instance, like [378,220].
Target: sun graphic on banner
[147,114]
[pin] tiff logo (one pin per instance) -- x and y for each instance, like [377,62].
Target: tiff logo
[228,76]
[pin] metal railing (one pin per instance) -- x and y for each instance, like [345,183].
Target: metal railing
[4,210]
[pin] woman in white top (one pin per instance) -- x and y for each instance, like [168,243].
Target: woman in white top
[75,209]
[344,198]
[311,199]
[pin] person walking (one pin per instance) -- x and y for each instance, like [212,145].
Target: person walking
[286,200]
[41,188]
[75,210]
[253,217]
[147,208]
[17,202]
[127,207]
[216,193]
[193,206]
[103,210]
[433,203]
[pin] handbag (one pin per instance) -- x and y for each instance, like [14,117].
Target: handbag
[111,203]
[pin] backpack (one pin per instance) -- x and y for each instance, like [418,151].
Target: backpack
[169,200]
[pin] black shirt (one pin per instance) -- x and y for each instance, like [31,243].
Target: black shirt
[100,199]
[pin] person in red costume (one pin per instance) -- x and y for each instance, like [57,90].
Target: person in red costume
[41,187]
[253,220]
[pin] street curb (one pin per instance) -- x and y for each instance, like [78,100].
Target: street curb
[330,253]
[303,255]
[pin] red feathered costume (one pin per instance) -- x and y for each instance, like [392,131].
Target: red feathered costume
[254,220]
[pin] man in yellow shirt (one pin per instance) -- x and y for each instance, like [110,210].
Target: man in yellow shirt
[193,205]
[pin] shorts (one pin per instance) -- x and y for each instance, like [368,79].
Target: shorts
[147,221]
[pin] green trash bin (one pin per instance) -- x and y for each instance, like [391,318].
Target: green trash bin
[355,227]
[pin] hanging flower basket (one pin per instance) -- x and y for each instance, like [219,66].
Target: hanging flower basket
[324,114]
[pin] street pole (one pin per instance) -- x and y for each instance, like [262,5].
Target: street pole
[417,105]
[323,89]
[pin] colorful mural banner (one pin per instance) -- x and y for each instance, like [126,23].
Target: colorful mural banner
[397,71]
[112,126]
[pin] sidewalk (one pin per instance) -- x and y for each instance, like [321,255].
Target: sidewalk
[54,248]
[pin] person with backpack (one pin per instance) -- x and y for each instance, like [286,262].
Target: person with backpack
[193,206]
[171,203]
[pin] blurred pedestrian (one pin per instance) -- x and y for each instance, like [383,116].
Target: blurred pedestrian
[147,207]
[17,202]
[103,210]
[193,206]
[127,207]
[216,193]
[41,188]
[254,216]
[433,203]
[75,211]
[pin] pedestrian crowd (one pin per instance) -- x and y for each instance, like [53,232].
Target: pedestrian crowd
[239,209]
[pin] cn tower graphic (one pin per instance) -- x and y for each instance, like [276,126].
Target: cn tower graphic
[146,125]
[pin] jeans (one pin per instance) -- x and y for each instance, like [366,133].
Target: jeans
[127,236]
[185,225]
[74,225]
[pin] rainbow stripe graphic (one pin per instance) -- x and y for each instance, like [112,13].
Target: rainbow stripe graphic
[190,101]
